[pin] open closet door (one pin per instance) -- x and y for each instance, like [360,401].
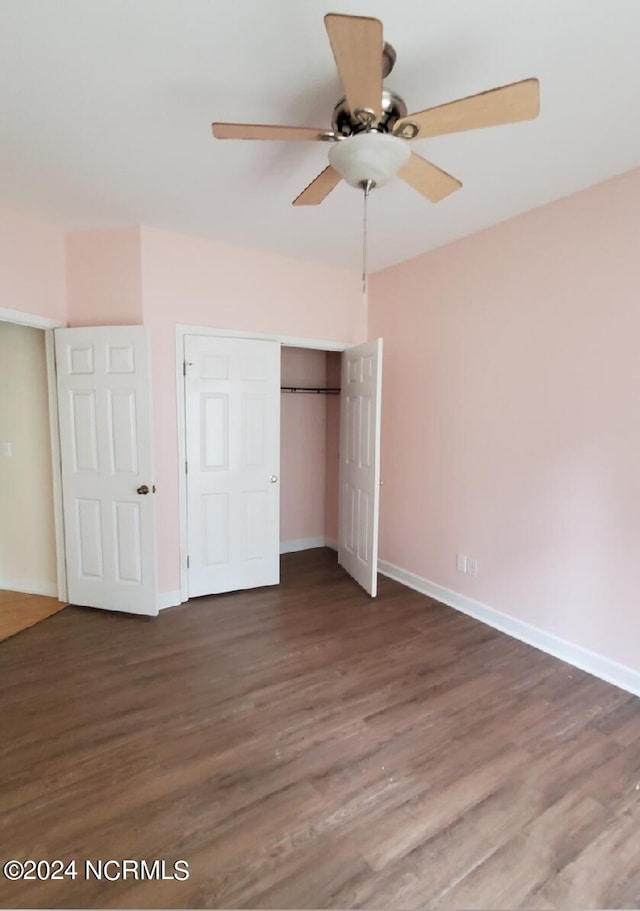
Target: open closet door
[360,409]
[104,403]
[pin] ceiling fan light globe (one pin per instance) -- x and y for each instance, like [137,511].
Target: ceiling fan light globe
[372,156]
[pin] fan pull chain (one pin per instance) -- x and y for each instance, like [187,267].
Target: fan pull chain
[366,186]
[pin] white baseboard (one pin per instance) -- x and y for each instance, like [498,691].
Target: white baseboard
[618,674]
[169,599]
[29,586]
[290,547]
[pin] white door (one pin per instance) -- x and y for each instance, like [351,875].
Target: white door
[104,400]
[232,408]
[360,407]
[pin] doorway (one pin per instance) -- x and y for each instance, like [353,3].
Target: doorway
[30,579]
[309,448]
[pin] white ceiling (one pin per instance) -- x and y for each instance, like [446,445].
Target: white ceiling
[106,105]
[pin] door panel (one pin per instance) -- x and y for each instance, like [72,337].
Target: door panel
[84,433]
[360,463]
[89,515]
[232,407]
[105,441]
[215,432]
[122,431]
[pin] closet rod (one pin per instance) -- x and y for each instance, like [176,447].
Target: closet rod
[319,390]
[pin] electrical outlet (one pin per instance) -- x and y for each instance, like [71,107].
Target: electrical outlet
[7,450]
[461,563]
[472,566]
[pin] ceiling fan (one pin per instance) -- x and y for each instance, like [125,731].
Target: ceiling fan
[371,129]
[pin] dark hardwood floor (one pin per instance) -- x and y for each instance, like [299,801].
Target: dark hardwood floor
[306,747]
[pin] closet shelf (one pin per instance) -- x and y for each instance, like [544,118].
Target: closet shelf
[319,390]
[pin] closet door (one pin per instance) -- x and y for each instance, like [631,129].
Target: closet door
[232,408]
[360,409]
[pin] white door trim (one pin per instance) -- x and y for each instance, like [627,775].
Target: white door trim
[182,329]
[29,319]
[56,463]
[36,321]
[288,341]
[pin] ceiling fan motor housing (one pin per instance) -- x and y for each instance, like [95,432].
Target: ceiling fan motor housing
[347,123]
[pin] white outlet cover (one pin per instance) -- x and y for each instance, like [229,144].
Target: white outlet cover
[7,450]
[461,562]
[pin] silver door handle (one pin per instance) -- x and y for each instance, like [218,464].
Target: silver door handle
[273,478]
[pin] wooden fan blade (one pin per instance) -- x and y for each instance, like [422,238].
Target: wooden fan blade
[318,189]
[427,179]
[509,104]
[267,131]
[357,45]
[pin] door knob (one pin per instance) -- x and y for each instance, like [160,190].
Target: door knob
[143,489]
[273,478]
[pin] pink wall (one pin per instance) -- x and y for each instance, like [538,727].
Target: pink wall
[194,281]
[104,277]
[510,416]
[161,279]
[32,272]
[303,426]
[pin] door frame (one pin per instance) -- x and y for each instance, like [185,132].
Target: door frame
[286,341]
[35,321]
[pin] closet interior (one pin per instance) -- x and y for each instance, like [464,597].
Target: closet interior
[309,448]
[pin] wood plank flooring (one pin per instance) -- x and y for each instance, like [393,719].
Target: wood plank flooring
[306,747]
[19,611]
